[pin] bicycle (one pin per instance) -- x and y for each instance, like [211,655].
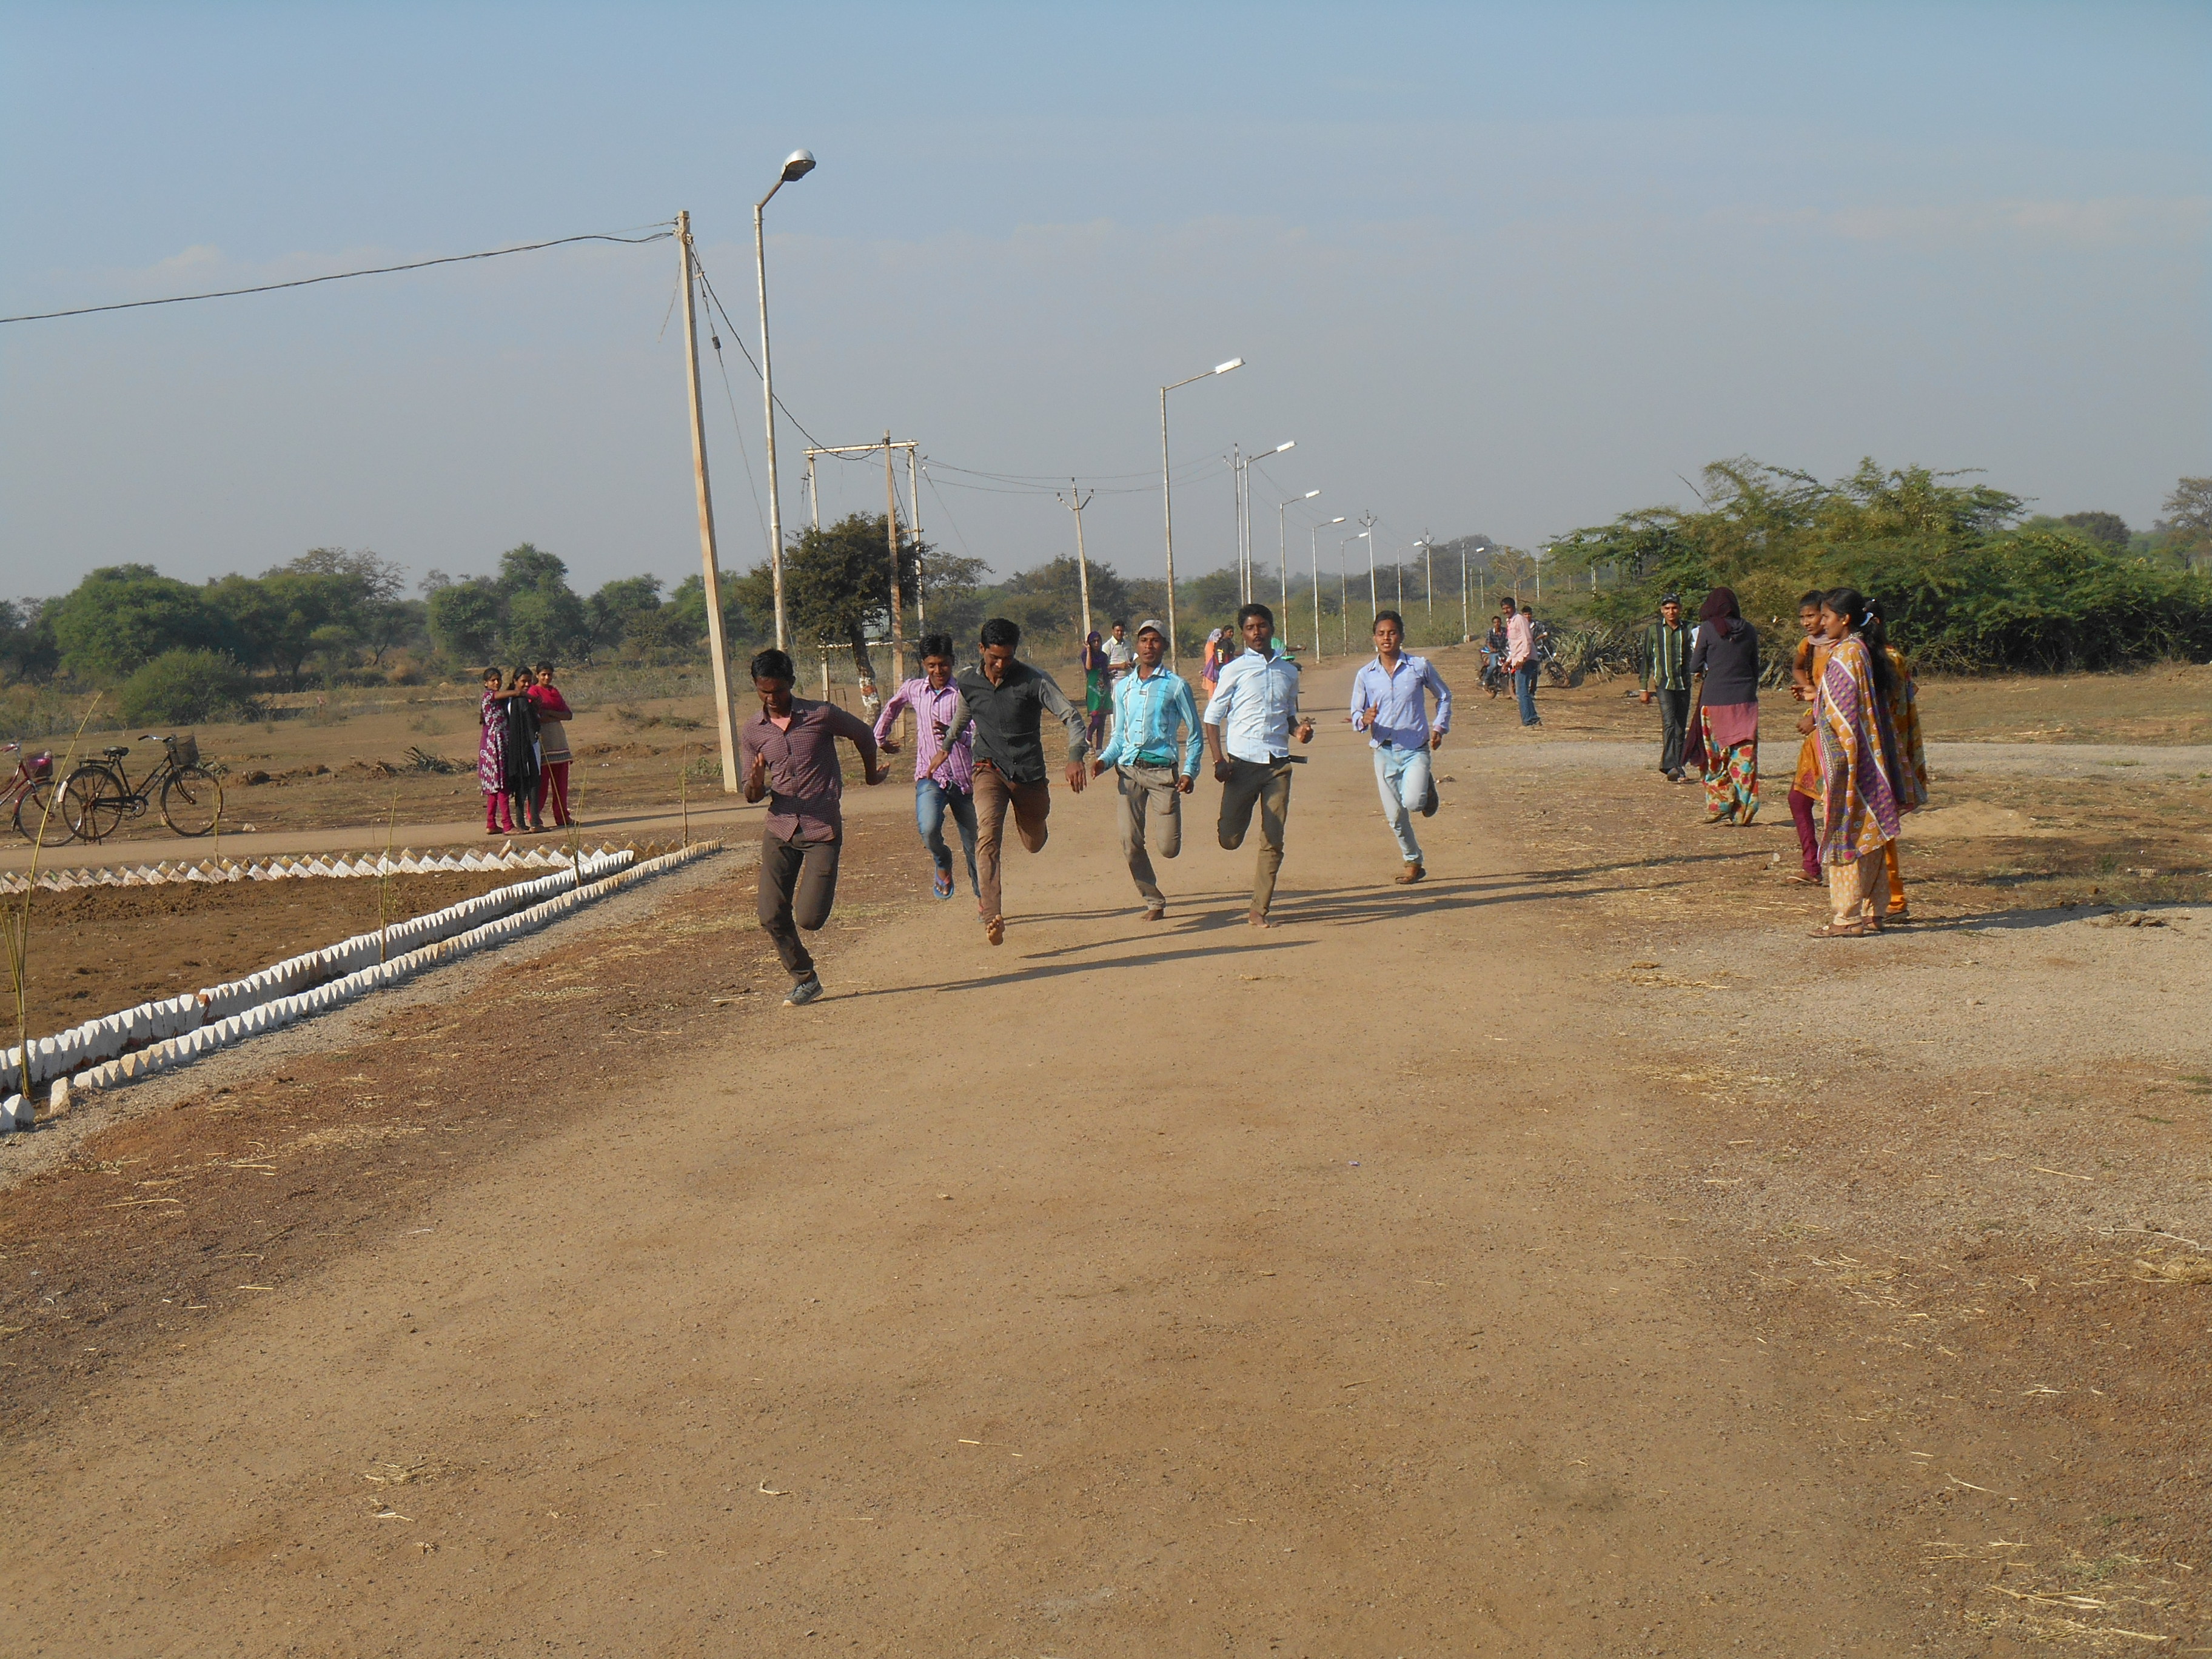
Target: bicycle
[99,795]
[29,795]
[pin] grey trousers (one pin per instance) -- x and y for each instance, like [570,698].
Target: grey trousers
[1674,728]
[1268,787]
[1149,796]
[798,885]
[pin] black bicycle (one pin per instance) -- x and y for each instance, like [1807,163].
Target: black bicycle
[99,795]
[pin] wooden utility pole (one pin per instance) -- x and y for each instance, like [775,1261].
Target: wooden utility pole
[914,495]
[1077,500]
[890,524]
[717,647]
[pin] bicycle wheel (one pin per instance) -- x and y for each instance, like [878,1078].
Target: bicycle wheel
[192,800]
[33,815]
[93,802]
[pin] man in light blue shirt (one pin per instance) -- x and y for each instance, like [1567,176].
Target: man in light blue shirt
[1154,772]
[1251,715]
[1390,704]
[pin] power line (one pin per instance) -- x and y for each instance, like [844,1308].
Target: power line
[338,276]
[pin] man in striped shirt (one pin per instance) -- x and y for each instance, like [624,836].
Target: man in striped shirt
[1153,770]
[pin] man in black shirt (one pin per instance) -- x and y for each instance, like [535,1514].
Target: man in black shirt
[1007,700]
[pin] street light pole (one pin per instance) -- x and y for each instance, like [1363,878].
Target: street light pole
[796,166]
[1374,599]
[1313,551]
[1240,463]
[1429,579]
[1283,562]
[1343,599]
[1167,498]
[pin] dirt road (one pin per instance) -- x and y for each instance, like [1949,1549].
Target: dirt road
[1353,1288]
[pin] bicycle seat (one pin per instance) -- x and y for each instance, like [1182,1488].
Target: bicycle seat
[117,753]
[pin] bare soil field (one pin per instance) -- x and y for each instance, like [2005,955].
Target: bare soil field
[99,949]
[1564,1256]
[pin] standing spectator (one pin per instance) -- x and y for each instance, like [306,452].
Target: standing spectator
[1858,803]
[553,756]
[1219,648]
[1805,671]
[944,761]
[1097,688]
[491,756]
[1666,675]
[1521,661]
[521,749]
[1908,771]
[1724,662]
[1121,656]
[789,753]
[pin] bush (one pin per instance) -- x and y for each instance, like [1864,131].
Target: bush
[184,687]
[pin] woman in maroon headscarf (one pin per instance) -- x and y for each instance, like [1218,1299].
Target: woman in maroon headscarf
[1724,668]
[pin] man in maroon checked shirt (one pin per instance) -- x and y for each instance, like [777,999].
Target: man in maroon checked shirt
[788,752]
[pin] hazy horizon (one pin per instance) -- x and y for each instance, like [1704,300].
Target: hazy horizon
[1493,271]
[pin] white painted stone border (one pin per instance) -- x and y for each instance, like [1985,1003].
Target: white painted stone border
[180,1029]
[280,866]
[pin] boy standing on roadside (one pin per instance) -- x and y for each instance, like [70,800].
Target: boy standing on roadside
[788,752]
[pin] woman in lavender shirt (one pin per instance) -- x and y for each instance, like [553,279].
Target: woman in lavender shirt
[943,762]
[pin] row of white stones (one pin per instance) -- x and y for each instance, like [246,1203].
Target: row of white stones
[289,866]
[156,1035]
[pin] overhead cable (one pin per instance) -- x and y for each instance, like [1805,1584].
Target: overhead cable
[339,275]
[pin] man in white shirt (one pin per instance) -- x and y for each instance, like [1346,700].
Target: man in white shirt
[1121,656]
[1254,708]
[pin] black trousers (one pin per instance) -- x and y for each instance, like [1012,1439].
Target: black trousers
[798,885]
[1675,727]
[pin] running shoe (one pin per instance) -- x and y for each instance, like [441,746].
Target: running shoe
[804,992]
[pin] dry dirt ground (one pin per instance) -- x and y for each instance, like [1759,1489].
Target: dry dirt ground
[1564,1256]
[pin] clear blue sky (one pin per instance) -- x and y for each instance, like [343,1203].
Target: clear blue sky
[1500,268]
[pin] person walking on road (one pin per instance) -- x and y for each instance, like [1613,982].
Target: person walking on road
[1724,663]
[1666,675]
[1806,668]
[1389,703]
[944,761]
[788,752]
[1154,771]
[1521,661]
[1858,802]
[1008,699]
[1247,724]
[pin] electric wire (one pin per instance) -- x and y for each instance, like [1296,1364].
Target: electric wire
[339,275]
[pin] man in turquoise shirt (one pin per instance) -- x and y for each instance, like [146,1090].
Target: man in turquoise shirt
[1152,770]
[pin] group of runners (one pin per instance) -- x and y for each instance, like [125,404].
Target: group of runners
[980,757]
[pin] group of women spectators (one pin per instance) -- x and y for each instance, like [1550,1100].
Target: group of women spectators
[522,756]
[1861,764]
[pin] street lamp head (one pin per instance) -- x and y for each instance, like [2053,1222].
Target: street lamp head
[796,166]
[1309,494]
[1336,521]
[1290,444]
[1234,363]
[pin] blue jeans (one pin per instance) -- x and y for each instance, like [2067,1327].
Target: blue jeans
[1524,688]
[1402,777]
[932,801]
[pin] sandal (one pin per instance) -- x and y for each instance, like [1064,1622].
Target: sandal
[1846,930]
[1411,873]
[941,883]
[1798,878]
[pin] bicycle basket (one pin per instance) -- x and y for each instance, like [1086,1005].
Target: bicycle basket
[185,750]
[40,765]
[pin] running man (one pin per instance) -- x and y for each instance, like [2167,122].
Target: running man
[943,766]
[789,753]
[1149,707]
[1390,704]
[1007,700]
[1251,714]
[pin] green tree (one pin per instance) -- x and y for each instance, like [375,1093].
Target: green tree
[126,615]
[609,613]
[28,652]
[527,567]
[464,618]
[683,620]
[837,585]
[183,688]
[286,617]
[2108,530]
[2188,522]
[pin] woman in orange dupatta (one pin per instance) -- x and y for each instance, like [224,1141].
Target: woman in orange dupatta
[1858,802]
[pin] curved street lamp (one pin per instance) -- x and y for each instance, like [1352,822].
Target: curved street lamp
[796,166]
[1167,496]
[1313,551]
[1283,554]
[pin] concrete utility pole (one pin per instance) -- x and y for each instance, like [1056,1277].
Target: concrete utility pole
[1076,502]
[890,524]
[1429,566]
[1374,599]
[914,526]
[717,648]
